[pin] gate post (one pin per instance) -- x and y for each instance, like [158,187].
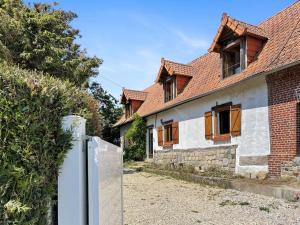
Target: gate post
[71,179]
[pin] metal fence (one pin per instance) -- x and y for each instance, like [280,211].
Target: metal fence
[105,182]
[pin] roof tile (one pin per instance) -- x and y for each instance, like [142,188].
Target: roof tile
[134,95]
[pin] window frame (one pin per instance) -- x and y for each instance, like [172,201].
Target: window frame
[169,89]
[167,141]
[216,134]
[128,110]
[241,42]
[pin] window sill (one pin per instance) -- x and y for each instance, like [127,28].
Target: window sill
[224,137]
[230,76]
[168,100]
[168,145]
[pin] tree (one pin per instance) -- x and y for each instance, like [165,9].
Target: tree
[40,37]
[110,112]
[136,136]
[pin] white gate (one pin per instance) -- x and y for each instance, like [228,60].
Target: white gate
[90,182]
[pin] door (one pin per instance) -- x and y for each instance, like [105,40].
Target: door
[150,143]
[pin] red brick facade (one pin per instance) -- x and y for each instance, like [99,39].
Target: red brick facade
[284,117]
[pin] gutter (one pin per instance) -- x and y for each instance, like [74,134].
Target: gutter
[265,73]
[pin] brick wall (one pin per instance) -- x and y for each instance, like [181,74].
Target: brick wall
[284,118]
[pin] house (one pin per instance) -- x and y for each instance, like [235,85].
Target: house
[235,107]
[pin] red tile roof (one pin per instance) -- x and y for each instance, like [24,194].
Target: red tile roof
[134,95]
[238,27]
[281,49]
[174,68]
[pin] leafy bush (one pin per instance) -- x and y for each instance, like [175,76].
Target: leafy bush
[136,136]
[32,142]
[41,37]
[110,111]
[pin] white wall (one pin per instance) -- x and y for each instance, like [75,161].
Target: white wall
[254,141]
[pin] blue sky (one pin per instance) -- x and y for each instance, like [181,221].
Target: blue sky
[131,36]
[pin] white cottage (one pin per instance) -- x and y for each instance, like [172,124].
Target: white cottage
[235,107]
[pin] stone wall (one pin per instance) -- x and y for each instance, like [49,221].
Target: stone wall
[291,168]
[222,157]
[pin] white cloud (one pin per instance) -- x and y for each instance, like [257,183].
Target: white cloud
[192,42]
[158,24]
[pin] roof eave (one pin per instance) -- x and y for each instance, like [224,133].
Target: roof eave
[263,73]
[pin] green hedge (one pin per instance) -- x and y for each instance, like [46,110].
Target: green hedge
[32,142]
[136,137]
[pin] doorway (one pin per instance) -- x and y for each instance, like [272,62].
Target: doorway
[150,152]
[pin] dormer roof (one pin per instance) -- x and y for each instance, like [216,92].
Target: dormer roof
[239,28]
[173,68]
[132,95]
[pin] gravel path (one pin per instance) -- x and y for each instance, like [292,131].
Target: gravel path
[157,200]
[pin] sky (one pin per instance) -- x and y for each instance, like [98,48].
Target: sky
[131,36]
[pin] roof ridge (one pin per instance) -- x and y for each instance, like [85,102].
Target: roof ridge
[134,90]
[247,23]
[279,12]
[177,62]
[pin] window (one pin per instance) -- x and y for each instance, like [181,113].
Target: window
[150,142]
[233,58]
[223,122]
[231,62]
[128,110]
[168,134]
[170,90]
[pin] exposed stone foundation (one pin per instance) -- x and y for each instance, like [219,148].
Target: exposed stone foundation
[203,158]
[291,168]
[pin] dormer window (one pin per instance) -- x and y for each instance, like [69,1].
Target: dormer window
[128,110]
[233,58]
[239,44]
[132,101]
[174,77]
[170,89]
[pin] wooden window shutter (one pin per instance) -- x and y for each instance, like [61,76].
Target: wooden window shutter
[208,125]
[235,114]
[160,136]
[175,132]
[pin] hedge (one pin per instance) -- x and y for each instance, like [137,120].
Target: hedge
[136,137]
[32,142]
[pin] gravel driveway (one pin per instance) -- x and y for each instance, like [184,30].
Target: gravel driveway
[157,200]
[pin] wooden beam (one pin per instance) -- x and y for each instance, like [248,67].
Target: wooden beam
[232,44]
[243,54]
